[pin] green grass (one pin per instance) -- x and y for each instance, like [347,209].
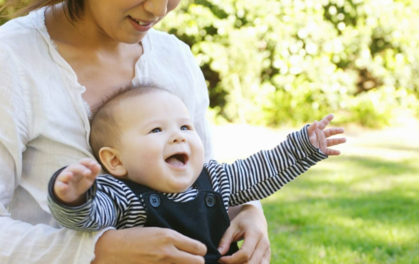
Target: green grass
[350,209]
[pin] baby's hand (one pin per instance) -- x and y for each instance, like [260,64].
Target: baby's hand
[319,137]
[73,182]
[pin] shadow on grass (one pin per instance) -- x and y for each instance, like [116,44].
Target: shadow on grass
[392,147]
[381,226]
[357,169]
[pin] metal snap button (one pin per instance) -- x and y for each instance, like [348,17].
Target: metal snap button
[210,200]
[154,200]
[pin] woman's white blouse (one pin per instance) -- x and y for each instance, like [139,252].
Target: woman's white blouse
[44,126]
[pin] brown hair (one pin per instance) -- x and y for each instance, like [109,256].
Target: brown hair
[105,131]
[72,8]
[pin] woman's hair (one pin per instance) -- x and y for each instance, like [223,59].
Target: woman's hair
[72,8]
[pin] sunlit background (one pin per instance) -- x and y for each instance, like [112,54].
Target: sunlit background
[273,66]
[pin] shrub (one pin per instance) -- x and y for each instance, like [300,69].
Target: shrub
[269,62]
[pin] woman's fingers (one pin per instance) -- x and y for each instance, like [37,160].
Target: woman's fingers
[226,240]
[186,258]
[251,224]
[267,256]
[185,250]
[255,250]
[148,245]
[248,248]
[262,253]
[189,245]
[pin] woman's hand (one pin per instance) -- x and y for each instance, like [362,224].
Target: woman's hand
[251,225]
[147,245]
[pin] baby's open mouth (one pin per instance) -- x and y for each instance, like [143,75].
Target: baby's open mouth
[177,160]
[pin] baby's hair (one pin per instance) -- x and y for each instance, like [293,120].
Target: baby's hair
[105,128]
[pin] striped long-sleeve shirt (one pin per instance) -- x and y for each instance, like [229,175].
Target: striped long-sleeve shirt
[111,203]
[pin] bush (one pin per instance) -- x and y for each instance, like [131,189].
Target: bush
[269,62]
[274,61]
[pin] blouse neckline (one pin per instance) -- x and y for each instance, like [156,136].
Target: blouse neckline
[38,19]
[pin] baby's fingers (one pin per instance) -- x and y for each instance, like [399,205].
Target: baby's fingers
[333,131]
[65,176]
[94,169]
[78,172]
[332,152]
[312,128]
[88,162]
[325,121]
[335,141]
[92,165]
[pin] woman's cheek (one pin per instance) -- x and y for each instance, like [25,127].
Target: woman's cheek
[172,4]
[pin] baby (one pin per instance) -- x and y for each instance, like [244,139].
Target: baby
[145,140]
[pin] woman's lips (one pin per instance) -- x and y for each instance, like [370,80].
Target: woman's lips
[142,26]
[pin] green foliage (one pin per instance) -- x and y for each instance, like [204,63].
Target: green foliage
[271,61]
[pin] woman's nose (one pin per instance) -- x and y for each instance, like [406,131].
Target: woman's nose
[156,7]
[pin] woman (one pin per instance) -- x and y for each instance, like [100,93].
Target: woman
[55,65]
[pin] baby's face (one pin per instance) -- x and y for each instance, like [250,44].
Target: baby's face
[159,146]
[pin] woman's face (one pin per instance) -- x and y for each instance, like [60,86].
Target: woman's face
[127,20]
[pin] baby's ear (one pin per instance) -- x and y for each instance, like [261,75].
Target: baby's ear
[110,159]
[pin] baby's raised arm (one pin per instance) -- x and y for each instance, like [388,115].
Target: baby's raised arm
[73,182]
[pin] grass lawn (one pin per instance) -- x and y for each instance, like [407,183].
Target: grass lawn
[362,207]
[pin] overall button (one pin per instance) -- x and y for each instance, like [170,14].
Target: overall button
[210,200]
[154,200]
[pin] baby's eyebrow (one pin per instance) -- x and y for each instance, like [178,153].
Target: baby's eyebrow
[152,123]
[185,120]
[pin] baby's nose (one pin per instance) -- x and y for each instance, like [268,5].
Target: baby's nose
[178,138]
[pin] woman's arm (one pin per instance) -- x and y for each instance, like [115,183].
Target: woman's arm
[22,242]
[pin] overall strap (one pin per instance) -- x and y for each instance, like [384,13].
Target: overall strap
[204,181]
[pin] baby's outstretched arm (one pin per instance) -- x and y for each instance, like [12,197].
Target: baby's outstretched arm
[72,183]
[319,136]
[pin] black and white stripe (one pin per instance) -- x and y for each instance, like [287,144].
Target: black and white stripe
[112,203]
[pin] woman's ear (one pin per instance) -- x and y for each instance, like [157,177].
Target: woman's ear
[110,159]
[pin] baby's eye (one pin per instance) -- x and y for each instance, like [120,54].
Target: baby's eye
[185,128]
[156,130]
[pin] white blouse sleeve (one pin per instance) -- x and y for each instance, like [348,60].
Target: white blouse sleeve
[22,242]
[201,123]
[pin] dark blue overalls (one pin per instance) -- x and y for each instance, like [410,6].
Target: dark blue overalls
[204,218]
